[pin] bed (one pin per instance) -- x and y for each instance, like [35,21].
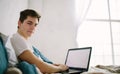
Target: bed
[101,69]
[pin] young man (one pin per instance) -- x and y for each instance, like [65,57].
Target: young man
[27,24]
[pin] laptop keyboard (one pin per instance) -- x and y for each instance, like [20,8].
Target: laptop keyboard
[71,71]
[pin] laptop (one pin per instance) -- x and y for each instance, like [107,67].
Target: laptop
[78,60]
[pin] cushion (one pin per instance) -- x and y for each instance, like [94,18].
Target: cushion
[13,70]
[12,59]
[3,57]
[4,38]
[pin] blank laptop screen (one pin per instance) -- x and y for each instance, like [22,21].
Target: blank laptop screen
[78,58]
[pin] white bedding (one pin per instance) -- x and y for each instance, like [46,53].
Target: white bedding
[100,69]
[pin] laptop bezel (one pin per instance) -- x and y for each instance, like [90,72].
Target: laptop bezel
[82,48]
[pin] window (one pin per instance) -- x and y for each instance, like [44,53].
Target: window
[100,28]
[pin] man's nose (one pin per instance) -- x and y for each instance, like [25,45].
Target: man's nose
[33,27]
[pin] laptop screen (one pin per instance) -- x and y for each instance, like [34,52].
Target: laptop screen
[78,57]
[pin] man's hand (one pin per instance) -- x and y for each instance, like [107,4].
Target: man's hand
[62,67]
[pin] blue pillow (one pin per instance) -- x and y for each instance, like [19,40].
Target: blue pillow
[3,58]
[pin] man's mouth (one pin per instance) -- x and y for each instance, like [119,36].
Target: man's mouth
[30,31]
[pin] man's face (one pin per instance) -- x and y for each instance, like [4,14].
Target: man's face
[28,26]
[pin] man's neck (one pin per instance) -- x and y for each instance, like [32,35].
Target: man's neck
[22,34]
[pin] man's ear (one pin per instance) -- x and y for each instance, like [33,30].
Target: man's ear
[19,23]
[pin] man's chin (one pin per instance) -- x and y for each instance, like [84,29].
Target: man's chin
[29,35]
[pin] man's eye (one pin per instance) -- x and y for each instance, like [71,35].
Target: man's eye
[35,24]
[29,23]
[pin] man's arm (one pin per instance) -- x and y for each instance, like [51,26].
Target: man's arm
[43,66]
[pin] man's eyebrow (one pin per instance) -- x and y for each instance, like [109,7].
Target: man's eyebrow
[32,22]
[29,21]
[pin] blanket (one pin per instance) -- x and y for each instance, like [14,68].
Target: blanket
[111,68]
[27,68]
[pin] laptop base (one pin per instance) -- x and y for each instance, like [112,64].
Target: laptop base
[71,71]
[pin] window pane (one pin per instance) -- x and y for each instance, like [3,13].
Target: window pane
[97,35]
[117,60]
[98,10]
[116,41]
[115,9]
[116,32]
[95,32]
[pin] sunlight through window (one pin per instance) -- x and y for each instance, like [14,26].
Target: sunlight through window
[100,28]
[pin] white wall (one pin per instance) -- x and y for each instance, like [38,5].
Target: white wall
[9,14]
[36,5]
[56,31]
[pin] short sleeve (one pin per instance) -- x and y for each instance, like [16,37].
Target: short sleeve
[19,44]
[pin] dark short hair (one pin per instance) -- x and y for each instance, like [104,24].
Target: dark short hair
[28,12]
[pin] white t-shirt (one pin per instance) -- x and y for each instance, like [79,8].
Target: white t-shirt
[20,44]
